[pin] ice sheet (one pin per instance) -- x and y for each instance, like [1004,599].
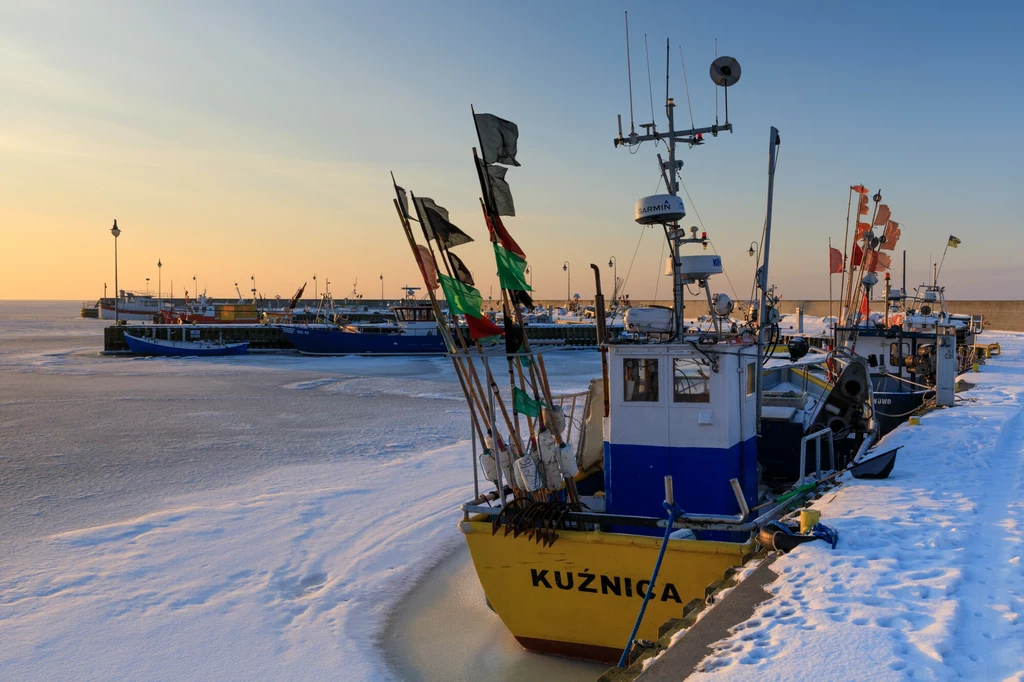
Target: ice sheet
[219,518]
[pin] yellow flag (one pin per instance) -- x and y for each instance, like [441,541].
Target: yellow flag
[953,241]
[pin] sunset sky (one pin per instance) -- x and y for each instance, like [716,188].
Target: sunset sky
[232,139]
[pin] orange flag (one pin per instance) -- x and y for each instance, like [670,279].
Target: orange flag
[835,261]
[858,253]
[865,308]
[882,217]
[860,189]
[891,236]
[862,229]
[862,205]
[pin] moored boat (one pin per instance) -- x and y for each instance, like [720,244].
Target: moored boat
[413,333]
[583,550]
[129,306]
[170,348]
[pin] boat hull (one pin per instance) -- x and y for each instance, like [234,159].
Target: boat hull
[894,402]
[580,596]
[160,348]
[316,341]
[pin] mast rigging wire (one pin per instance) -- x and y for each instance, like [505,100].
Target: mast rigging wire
[713,249]
[689,105]
[633,260]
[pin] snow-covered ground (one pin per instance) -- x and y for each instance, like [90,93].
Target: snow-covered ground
[926,581]
[249,518]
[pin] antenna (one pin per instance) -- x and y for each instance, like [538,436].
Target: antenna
[650,90]
[666,69]
[725,71]
[629,76]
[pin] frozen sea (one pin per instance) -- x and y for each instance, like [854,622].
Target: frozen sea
[222,518]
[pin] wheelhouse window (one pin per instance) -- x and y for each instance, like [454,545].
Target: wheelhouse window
[691,378]
[414,314]
[640,380]
[751,379]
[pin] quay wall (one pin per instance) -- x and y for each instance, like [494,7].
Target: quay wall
[999,315]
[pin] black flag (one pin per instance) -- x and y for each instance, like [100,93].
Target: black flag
[498,138]
[500,196]
[403,201]
[460,270]
[513,335]
[437,226]
[521,298]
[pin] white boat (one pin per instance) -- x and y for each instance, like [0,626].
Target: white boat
[130,306]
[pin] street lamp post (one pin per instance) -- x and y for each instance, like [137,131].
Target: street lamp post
[159,282]
[382,287]
[568,283]
[116,231]
[147,286]
[316,291]
[752,250]
[529,271]
[613,263]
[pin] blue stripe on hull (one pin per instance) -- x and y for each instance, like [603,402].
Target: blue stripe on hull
[634,478]
[337,342]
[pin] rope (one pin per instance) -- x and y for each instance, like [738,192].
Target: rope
[673,512]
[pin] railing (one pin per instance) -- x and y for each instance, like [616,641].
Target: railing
[575,429]
[816,436]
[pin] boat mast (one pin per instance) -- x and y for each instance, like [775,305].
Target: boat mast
[725,71]
[763,271]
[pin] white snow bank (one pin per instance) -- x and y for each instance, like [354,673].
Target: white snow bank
[926,581]
[286,577]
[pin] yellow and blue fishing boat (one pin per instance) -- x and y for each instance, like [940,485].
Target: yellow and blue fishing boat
[584,549]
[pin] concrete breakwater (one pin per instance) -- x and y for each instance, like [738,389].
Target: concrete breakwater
[1002,315]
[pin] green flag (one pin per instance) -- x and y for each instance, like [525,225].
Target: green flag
[462,298]
[511,270]
[524,404]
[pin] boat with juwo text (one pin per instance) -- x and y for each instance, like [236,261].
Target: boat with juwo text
[915,347]
[591,528]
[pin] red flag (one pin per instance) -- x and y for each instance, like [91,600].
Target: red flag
[860,189]
[862,229]
[882,217]
[876,261]
[865,308]
[892,235]
[862,205]
[499,235]
[481,328]
[428,268]
[835,261]
[858,254]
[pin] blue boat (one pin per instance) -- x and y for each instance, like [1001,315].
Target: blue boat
[414,334]
[165,348]
[326,340]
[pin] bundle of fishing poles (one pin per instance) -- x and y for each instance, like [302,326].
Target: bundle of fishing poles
[526,447]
